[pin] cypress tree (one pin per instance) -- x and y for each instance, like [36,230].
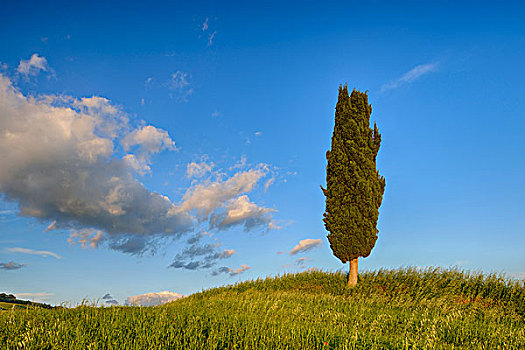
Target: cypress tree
[354,188]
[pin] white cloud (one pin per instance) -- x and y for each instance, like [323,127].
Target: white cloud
[412,75]
[33,66]
[43,253]
[305,245]
[149,139]
[205,25]
[242,212]
[208,197]
[153,299]
[57,161]
[198,169]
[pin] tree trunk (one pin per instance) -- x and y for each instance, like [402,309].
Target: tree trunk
[352,275]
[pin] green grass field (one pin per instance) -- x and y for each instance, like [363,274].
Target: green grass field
[399,309]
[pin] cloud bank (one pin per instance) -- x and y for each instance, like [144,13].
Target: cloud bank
[153,299]
[74,163]
[58,161]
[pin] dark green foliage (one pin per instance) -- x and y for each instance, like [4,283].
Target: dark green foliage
[354,188]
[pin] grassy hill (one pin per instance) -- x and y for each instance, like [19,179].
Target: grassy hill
[400,309]
[9,301]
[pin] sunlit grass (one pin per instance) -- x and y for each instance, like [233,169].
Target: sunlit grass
[389,309]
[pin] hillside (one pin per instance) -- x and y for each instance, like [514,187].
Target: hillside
[400,309]
[8,301]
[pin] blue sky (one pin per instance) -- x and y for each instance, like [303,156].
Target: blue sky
[148,147]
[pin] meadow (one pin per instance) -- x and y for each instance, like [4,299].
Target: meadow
[389,309]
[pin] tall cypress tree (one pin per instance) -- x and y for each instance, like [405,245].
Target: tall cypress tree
[354,188]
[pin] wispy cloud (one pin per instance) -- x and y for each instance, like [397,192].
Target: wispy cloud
[33,66]
[153,299]
[32,296]
[198,169]
[198,256]
[179,83]
[87,238]
[230,271]
[305,245]
[43,253]
[239,270]
[11,266]
[410,76]
[205,25]
[211,37]
[301,262]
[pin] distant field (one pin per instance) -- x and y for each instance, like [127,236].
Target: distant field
[400,309]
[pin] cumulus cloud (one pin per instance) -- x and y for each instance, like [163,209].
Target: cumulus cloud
[72,163]
[410,76]
[33,66]
[198,169]
[147,140]
[224,203]
[58,162]
[200,256]
[207,197]
[241,211]
[11,266]
[305,245]
[42,253]
[153,299]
